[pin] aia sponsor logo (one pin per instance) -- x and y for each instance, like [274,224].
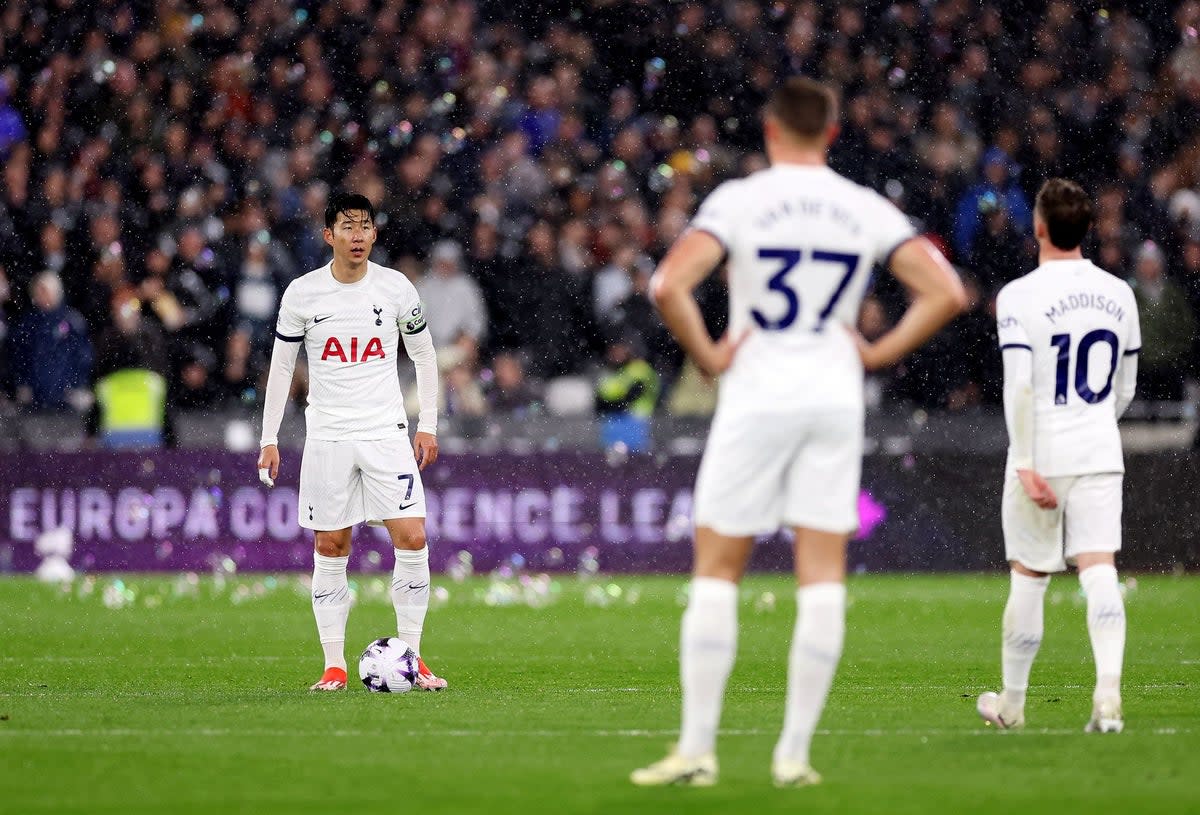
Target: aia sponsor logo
[335,349]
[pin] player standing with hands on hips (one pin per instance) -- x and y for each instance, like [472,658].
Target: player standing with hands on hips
[1070,335]
[358,464]
[785,447]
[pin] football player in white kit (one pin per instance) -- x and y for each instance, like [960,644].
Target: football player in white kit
[786,442]
[358,464]
[1070,336]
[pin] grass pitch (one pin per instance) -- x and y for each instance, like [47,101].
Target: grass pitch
[167,695]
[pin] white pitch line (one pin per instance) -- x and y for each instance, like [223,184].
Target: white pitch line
[208,732]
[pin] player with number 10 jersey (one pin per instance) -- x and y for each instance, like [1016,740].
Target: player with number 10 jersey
[1069,334]
[1078,326]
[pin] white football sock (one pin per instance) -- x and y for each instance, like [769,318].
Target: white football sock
[331,606]
[707,647]
[813,659]
[1022,634]
[410,594]
[1106,626]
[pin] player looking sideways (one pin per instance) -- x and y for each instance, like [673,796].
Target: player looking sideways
[786,442]
[358,464]
[1069,333]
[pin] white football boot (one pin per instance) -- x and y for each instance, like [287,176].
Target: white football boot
[677,770]
[794,774]
[1106,716]
[994,711]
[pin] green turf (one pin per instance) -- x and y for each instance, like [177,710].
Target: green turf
[194,700]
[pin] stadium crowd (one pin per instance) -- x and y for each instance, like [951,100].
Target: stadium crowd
[166,166]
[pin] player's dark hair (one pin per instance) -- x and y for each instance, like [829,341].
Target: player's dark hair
[347,202]
[1067,211]
[805,107]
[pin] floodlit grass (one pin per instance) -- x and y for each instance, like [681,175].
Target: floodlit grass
[193,699]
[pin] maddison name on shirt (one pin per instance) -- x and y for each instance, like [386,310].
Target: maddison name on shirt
[1089,300]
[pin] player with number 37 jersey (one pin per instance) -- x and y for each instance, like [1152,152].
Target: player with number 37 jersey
[801,242]
[785,447]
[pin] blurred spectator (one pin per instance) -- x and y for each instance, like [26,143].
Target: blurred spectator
[978,368]
[130,379]
[511,391]
[130,340]
[51,353]
[614,282]
[12,129]
[636,317]
[194,388]
[6,385]
[1167,328]
[256,292]
[999,253]
[463,395]
[194,279]
[556,316]
[950,133]
[452,301]
[996,188]
[626,394]
[238,380]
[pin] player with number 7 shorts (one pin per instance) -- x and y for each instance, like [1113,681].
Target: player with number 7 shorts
[351,315]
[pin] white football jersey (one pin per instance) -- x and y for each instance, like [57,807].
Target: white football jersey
[351,334]
[1080,323]
[801,243]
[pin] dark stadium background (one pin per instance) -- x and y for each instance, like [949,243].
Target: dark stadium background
[169,163]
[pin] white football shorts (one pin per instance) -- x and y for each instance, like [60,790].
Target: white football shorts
[1087,519]
[343,483]
[761,472]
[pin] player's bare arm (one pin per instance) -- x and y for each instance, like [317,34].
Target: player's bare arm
[691,259]
[937,298]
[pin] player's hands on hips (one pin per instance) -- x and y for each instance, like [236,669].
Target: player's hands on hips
[1037,489]
[721,354]
[867,352]
[425,448]
[268,464]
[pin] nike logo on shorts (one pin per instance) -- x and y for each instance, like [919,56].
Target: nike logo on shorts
[408,505]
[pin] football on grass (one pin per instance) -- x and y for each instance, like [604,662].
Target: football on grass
[388,665]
